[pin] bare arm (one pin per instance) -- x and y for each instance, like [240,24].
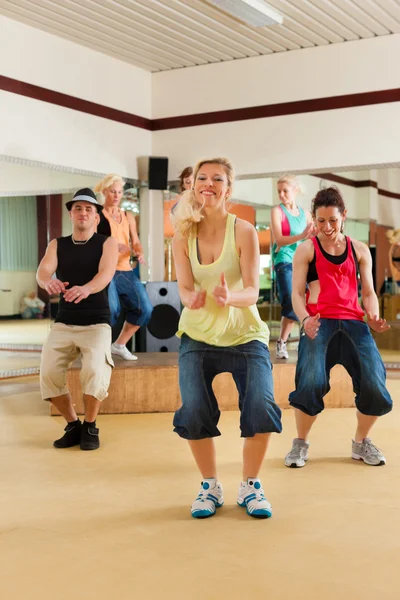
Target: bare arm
[369,297]
[286,240]
[46,270]
[189,296]
[301,260]
[107,265]
[249,251]
[135,242]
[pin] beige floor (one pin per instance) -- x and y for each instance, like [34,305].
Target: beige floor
[115,523]
[19,331]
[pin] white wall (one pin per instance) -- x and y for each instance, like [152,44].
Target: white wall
[43,59]
[328,141]
[22,180]
[352,67]
[13,286]
[35,130]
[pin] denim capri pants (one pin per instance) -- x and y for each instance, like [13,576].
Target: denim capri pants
[341,342]
[251,369]
[283,272]
[126,288]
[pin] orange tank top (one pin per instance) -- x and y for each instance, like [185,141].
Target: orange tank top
[120,231]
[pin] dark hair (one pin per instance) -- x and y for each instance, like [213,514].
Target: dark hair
[187,172]
[328,197]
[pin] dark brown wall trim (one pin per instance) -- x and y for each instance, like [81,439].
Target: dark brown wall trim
[357,184]
[346,180]
[222,116]
[278,110]
[38,93]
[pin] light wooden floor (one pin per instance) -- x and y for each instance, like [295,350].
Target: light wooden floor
[115,523]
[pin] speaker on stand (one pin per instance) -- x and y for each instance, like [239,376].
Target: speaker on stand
[159,335]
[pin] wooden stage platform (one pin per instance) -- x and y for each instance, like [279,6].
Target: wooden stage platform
[150,384]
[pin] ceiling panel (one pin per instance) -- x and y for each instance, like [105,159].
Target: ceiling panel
[159,35]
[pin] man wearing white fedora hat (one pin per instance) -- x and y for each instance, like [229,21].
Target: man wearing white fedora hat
[84,264]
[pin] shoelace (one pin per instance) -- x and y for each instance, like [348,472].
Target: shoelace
[297,451]
[257,495]
[371,449]
[206,495]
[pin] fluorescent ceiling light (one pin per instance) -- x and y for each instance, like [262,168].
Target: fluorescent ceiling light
[252,12]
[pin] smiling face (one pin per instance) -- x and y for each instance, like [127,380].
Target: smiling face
[329,222]
[113,195]
[211,187]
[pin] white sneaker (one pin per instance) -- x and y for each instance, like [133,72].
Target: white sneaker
[368,452]
[281,349]
[209,499]
[251,496]
[298,454]
[123,352]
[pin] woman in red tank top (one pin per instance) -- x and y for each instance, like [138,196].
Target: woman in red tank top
[334,330]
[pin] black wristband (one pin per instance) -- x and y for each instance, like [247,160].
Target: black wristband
[305,319]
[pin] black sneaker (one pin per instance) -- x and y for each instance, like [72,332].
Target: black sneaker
[71,437]
[89,436]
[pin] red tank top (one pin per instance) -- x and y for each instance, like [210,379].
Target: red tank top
[338,297]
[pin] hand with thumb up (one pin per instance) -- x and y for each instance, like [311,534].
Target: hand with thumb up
[221,292]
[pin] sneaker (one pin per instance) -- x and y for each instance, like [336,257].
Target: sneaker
[281,349]
[367,452]
[71,437]
[298,455]
[90,436]
[209,499]
[251,496]
[123,352]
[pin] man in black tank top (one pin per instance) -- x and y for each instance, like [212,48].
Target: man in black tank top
[84,264]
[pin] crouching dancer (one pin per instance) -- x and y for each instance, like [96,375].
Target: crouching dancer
[84,263]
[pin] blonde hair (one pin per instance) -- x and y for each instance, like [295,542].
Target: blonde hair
[106,183]
[188,212]
[292,181]
[393,236]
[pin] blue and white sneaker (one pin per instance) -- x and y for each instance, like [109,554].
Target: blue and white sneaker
[251,496]
[209,499]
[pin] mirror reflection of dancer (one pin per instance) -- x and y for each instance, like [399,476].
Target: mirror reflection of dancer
[394,257]
[290,225]
[126,287]
[217,261]
[84,263]
[334,331]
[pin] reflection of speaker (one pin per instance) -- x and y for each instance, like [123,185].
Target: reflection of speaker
[159,335]
[158,173]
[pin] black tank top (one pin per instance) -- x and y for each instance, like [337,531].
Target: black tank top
[78,264]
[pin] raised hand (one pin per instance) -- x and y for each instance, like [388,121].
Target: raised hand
[377,324]
[308,232]
[76,294]
[55,286]
[197,299]
[311,326]
[221,292]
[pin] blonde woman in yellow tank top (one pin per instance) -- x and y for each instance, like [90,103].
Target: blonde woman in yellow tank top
[217,261]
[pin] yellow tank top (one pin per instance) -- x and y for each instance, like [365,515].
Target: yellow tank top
[120,231]
[213,324]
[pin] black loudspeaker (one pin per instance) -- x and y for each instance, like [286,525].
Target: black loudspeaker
[159,335]
[158,173]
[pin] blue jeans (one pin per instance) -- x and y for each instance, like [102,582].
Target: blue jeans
[341,342]
[31,313]
[251,369]
[284,288]
[127,289]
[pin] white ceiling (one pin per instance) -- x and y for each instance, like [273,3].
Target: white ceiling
[158,35]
